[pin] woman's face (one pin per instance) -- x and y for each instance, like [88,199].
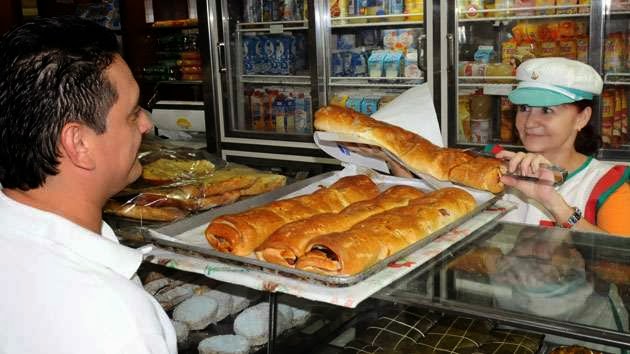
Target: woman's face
[547,129]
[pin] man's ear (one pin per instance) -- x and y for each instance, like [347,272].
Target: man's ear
[583,117]
[75,145]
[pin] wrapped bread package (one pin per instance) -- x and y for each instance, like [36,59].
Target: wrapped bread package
[241,233]
[190,193]
[415,151]
[384,234]
[289,242]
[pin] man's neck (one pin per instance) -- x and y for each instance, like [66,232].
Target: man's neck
[63,203]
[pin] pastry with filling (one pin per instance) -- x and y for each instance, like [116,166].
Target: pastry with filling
[289,242]
[241,233]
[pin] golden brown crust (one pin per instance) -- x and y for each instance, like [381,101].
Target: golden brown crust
[265,182]
[482,260]
[289,242]
[573,349]
[141,212]
[415,151]
[241,233]
[384,234]
[612,272]
[481,173]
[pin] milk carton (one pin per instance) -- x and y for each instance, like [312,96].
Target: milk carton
[354,103]
[358,63]
[249,54]
[336,64]
[284,55]
[300,51]
[266,57]
[376,62]
[393,64]
[369,105]
[412,70]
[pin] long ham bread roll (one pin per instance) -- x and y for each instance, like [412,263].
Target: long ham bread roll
[241,233]
[289,242]
[481,173]
[414,150]
[381,235]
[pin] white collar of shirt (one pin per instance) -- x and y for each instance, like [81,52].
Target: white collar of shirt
[103,249]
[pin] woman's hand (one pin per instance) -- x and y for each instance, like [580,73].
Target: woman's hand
[528,164]
[395,168]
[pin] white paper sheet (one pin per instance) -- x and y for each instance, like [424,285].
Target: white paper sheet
[413,110]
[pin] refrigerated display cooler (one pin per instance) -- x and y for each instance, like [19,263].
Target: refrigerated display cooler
[487,40]
[275,62]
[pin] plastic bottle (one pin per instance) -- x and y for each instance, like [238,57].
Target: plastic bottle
[289,114]
[300,114]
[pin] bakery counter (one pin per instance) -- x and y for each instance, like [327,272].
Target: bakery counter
[572,287]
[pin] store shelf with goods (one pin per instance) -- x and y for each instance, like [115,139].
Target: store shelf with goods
[617,79]
[411,19]
[272,26]
[524,13]
[296,80]
[383,82]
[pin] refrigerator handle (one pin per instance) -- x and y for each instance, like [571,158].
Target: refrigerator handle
[221,49]
[422,41]
[451,50]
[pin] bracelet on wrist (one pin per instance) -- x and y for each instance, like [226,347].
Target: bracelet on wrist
[573,219]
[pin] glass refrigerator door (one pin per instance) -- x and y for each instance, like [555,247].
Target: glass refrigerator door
[376,50]
[489,40]
[616,68]
[265,74]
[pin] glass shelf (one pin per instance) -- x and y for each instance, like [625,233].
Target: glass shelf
[508,14]
[617,78]
[381,21]
[383,82]
[272,26]
[276,79]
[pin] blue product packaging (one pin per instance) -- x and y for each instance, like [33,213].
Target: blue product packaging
[284,54]
[336,63]
[268,52]
[396,6]
[393,65]
[369,37]
[355,103]
[375,63]
[369,105]
[346,41]
[249,54]
[358,64]
[484,54]
[260,58]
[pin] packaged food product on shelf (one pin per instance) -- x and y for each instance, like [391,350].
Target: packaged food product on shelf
[545,3]
[530,4]
[608,115]
[272,54]
[568,10]
[463,114]
[614,51]
[279,109]
[508,116]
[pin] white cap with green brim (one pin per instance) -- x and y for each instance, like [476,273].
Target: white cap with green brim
[548,82]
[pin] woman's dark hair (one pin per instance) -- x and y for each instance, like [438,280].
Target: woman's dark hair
[51,73]
[587,141]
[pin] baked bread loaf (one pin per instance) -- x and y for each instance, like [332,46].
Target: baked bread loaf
[253,323]
[573,349]
[481,260]
[612,272]
[381,235]
[289,242]
[164,171]
[414,150]
[197,312]
[241,233]
[142,212]
[481,173]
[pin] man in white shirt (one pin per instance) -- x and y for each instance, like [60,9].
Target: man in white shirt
[70,129]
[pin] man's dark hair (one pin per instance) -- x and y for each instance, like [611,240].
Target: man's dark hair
[51,73]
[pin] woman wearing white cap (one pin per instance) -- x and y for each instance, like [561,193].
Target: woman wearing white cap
[554,98]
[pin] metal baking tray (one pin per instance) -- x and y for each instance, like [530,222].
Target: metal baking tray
[167,236]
